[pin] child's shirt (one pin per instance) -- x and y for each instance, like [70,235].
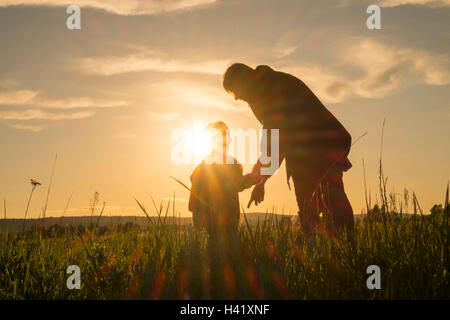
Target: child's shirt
[214,199]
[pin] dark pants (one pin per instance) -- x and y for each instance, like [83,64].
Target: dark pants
[318,191]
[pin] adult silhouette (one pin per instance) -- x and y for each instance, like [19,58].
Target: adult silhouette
[313,142]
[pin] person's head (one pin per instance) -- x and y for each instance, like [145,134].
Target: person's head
[220,137]
[236,80]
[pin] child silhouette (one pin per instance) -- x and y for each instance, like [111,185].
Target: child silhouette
[216,182]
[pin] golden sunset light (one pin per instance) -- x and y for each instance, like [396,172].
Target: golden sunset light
[198,141]
[224,150]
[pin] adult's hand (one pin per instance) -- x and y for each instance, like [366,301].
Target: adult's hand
[257,195]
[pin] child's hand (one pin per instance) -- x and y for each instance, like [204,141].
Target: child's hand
[257,195]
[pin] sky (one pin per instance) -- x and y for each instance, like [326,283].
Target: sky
[107,98]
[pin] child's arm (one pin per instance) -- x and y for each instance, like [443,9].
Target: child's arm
[244,181]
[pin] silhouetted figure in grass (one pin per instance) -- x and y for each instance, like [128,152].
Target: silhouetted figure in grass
[313,142]
[216,182]
[214,203]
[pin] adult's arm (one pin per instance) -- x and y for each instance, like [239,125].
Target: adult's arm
[256,175]
[242,181]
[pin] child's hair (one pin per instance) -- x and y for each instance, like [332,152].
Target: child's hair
[221,127]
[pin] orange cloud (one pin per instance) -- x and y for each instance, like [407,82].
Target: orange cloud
[190,93]
[430,3]
[384,69]
[17,97]
[32,114]
[27,127]
[107,66]
[122,7]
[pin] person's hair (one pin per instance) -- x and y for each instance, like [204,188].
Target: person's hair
[236,75]
[218,125]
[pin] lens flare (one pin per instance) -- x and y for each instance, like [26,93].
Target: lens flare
[199,141]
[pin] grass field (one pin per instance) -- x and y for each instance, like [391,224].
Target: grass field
[272,259]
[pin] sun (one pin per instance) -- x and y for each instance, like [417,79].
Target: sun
[198,141]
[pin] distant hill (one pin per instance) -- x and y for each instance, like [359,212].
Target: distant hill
[15,225]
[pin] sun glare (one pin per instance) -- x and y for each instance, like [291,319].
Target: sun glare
[198,141]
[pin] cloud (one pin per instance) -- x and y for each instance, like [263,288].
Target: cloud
[37,102]
[27,127]
[17,97]
[77,102]
[284,51]
[435,69]
[32,114]
[191,95]
[430,3]
[383,69]
[397,3]
[164,116]
[107,66]
[328,86]
[386,68]
[121,7]
[38,99]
